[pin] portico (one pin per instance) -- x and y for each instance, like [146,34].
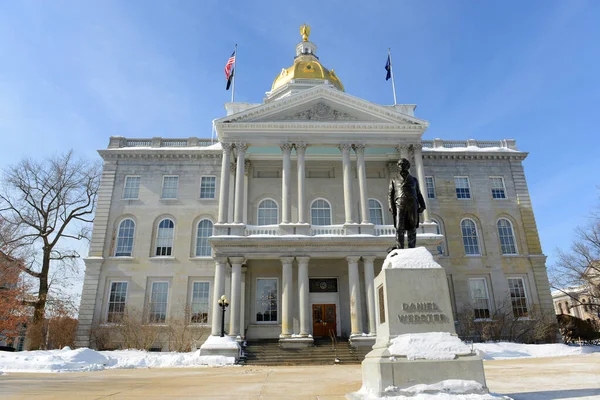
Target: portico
[302,154]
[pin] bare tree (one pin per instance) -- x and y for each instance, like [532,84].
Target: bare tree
[577,271]
[503,323]
[48,204]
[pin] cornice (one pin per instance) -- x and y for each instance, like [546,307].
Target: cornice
[308,126]
[159,154]
[474,156]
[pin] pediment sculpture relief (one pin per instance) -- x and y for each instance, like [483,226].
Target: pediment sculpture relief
[320,112]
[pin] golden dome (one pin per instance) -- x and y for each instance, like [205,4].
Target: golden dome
[306,66]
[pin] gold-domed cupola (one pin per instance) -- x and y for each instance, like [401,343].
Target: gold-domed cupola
[307,70]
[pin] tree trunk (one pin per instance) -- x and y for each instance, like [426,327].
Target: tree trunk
[36,328]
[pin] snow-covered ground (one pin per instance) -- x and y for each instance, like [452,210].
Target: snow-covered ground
[507,350]
[68,360]
[451,389]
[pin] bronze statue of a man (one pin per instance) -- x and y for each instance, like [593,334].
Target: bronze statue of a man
[405,203]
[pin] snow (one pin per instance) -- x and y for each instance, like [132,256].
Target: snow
[84,359]
[451,389]
[215,146]
[507,350]
[217,342]
[417,258]
[67,360]
[428,346]
[470,148]
[445,346]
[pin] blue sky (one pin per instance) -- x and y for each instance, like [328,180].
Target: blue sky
[74,73]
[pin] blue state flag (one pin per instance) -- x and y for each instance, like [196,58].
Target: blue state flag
[388,68]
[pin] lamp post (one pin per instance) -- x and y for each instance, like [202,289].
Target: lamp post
[223,303]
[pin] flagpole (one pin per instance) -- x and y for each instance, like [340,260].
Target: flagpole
[391,70]
[234,74]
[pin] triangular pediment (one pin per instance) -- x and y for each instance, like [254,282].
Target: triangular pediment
[322,104]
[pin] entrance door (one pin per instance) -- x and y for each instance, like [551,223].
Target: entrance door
[324,319]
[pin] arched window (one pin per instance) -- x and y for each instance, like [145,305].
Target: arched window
[125,238]
[320,212]
[205,230]
[375,212]
[164,238]
[438,230]
[470,239]
[268,213]
[507,237]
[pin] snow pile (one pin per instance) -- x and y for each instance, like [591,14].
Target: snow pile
[217,342]
[417,258]
[506,350]
[470,148]
[142,359]
[67,360]
[53,361]
[428,346]
[451,389]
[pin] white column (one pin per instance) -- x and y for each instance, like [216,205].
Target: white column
[303,296]
[218,291]
[286,204]
[286,297]
[247,166]
[370,292]
[239,182]
[354,286]
[243,302]
[362,183]
[403,150]
[236,295]
[347,170]
[224,190]
[231,191]
[300,152]
[421,177]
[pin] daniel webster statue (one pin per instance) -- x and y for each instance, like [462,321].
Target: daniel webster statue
[406,203]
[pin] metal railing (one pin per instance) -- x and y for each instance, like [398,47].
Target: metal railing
[334,344]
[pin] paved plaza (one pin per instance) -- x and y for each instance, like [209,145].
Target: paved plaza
[574,377]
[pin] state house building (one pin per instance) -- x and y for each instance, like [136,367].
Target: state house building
[287,216]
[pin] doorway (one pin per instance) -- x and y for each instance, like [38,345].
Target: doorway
[324,319]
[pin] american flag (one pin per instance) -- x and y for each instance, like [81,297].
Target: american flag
[229,66]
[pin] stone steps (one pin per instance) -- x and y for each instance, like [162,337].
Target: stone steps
[268,352]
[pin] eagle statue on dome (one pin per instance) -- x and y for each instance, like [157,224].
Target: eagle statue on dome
[305,32]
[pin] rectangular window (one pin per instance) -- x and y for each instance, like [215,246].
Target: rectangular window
[463,189]
[158,302]
[131,190]
[479,297]
[208,185]
[116,301]
[430,187]
[498,189]
[266,300]
[169,187]
[518,297]
[199,303]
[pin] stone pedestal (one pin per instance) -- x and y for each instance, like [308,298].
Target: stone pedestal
[221,346]
[412,297]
